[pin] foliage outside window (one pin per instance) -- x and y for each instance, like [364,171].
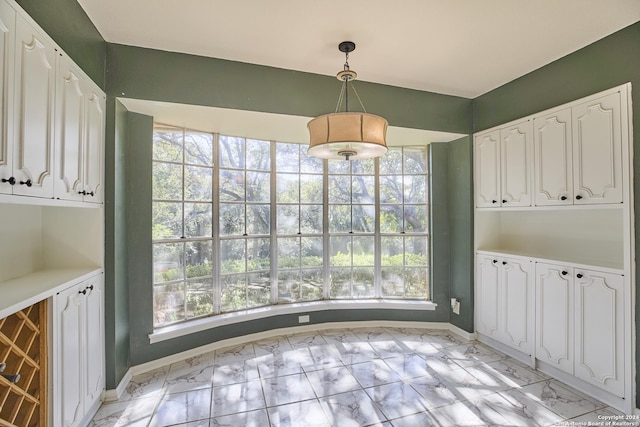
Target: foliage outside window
[241,223]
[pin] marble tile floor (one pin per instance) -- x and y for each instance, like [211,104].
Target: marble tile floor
[350,377]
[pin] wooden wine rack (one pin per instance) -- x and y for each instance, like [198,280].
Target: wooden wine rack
[23,347]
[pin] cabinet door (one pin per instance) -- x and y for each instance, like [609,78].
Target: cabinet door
[487,169]
[34,99]
[94,339]
[69,132]
[7,35]
[553,176]
[554,316]
[597,151]
[515,158]
[94,147]
[599,357]
[70,381]
[517,303]
[487,276]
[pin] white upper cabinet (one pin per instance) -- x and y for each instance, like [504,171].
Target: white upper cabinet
[79,135]
[7,48]
[503,166]
[515,164]
[33,111]
[553,174]
[487,169]
[597,147]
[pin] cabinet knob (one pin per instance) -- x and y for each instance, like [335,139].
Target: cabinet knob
[27,183]
[563,198]
[89,287]
[90,193]
[11,180]
[83,292]
[495,260]
[578,197]
[494,201]
[579,276]
[504,200]
[564,273]
[504,262]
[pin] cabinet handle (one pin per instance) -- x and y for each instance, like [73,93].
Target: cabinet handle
[90,193]
[83,292]
[578,197]
[494,201]
[82,192]
[12,378]
[504,200]
[564,273]
[89,287]
[27,183]
[495,260]
[504,262]
[563,198]
[579,276]
[11,180]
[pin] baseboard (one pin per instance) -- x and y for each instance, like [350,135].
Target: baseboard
[114,394]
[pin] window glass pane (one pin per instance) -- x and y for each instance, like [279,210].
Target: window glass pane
[363,251]
[198,148]
[287,188]
[310,164]
[390,219]
[311,252]
[258,155]
[340,249]
[362,166]
[233,292]
[415,161]
[197,220]
[168,303]
[415,189]
[415,218]
[340,283]
[363,282]
[232,256]
[258,254]
[311,188]
[231,152]
[199,297]
[167,262]
[167,145]
[339,189]
[311,284]
[287,157]
[231,186]
[339,218]
[167,181]
[393,281]
[258,289]
[363,218]
[415,250]
[288,219]
[311,219]
[391,163]
[258,187]
[391,189]
[198,258]
[288,252]
[392,251]
[198,183]
[258,219]
[363,190]
[415,282]
[167,220]
[231,219]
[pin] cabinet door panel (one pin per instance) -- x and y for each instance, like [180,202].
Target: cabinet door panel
[94,383]
[487,169]
[599,330]
[71,315]
[554,316]
[7,49]
[553,176]
[517,283]
[597,157]
[94,147]
[487,294]
[515,148]
[34,94]
[69,134]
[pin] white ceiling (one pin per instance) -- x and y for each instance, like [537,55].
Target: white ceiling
[456,47]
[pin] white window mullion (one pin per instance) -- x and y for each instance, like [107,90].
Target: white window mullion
[273,224]
[215,228]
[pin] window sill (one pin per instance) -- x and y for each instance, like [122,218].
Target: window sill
[174,331]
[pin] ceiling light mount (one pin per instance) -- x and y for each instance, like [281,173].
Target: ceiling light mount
[347,135]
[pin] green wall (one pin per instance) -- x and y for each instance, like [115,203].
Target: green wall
[606,63]
[66,22]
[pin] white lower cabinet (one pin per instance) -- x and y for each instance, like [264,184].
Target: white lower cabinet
[505,300]
[580,327]
[78,352]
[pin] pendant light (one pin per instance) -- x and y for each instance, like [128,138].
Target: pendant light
[347,135]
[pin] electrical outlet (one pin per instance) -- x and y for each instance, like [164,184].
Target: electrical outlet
[303,319]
